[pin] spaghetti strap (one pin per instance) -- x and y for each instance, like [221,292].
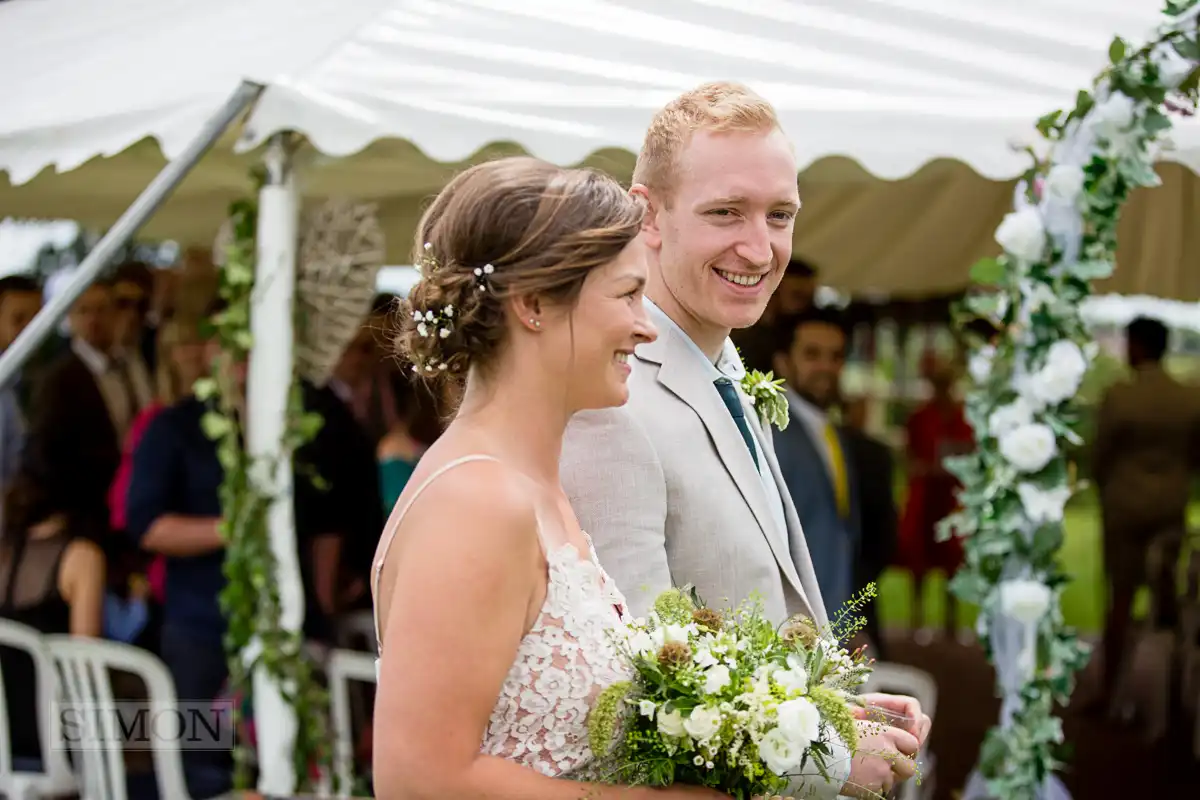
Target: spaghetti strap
[393,525]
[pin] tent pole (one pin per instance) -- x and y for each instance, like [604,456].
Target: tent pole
[42,325]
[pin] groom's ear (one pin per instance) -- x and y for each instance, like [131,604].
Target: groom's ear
[650,230]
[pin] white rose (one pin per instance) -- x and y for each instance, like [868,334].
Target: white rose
[1030,447]
[716,678]
[1008,418]
[1065,182]
[647,708]
[980,364]
[1024,600]
[1173,68]
[779,753]
[1060,377]
[1042,505]
[1022,235]
[702,723]
[799,720]
[1113,119]
[670,723]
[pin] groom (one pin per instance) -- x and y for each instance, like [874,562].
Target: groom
[681,485]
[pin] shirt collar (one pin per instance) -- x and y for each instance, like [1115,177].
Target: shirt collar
[728,364]
[804,410]
[92,358]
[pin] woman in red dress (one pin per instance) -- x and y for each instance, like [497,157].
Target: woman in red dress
[936,430]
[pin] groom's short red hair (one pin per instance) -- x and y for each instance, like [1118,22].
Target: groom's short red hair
[718,106]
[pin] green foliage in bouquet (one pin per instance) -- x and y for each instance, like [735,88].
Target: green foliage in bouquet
[727,700]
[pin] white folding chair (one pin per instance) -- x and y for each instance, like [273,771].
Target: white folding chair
[902,679]
[85,681]
[342,667]
[56,778]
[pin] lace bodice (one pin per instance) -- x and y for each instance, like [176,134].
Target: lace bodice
[562,664]
[565,660]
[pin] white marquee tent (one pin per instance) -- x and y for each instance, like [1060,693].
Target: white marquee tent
[393,94]
[901,110]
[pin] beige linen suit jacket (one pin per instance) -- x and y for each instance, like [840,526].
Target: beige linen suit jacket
[669,492]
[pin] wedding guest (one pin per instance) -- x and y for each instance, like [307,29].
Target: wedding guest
[20,300]
[52,578]
[1144,459]
[399,450]
[794,296]
[812,451]
[936,430]
[872,462]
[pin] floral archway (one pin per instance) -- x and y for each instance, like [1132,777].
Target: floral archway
[1059,238]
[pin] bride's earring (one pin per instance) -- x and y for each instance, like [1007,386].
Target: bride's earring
[537,323]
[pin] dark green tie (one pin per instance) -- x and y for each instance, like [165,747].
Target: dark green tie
[734,404]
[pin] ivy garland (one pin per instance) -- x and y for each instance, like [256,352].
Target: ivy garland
[1060,237]
[250,600]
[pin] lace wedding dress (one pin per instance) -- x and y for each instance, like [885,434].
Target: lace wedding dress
[563,662]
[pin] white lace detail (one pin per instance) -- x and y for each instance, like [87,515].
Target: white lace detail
[562,664]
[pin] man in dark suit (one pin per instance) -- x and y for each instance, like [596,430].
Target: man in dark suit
[810,352]
[872,463]
[80,407]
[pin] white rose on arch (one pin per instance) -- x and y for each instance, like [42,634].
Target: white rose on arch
[980,364]
[1010,417]
[1173,68]
[1112,119]
[1060,377]
[1025,600]
[1030,447]
[1064,182]
[1023,235]
[1043,506]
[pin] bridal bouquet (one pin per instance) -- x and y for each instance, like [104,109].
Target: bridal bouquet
[726,701]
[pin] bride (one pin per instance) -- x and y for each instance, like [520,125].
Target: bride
[492,611]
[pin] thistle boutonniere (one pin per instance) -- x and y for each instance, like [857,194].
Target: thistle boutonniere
[767,397]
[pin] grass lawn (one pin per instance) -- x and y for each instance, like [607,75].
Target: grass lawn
[1083,600]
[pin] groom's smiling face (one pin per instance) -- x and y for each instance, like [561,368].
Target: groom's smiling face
[723,230]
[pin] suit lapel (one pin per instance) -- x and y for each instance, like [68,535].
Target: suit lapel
[681,373]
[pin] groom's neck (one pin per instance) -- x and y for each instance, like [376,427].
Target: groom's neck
[709,338]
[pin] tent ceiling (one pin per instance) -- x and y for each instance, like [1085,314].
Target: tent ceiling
[927,90]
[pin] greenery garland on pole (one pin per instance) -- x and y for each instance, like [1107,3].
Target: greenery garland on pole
[1060,237]
[250,600]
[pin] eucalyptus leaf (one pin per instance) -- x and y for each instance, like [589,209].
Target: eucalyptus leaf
[1116,50]
[987,271]
[1091,270]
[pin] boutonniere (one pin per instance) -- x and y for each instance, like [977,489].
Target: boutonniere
[767,397]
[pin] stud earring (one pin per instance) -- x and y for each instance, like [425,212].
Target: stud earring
[537,323]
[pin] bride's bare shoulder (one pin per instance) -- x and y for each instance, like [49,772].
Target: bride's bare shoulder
[478,498]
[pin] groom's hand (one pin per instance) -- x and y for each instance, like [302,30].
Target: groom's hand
[885,757]
[902,705]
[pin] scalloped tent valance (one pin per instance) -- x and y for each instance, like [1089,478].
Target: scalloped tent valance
[931,91]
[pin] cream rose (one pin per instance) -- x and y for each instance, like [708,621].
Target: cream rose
[1030,447]
[779,753]
[1060,376]
[1065,182]
[670,723]
[799,720]
[1024,600]
[1023,235]
[702,723]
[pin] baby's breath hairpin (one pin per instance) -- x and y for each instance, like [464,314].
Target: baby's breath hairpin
[439,324]
[481,276]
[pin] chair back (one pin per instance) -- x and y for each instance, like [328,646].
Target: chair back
[56,776]
[84,668]
[342,667]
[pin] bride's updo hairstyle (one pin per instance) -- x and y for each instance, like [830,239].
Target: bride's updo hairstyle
[514,227]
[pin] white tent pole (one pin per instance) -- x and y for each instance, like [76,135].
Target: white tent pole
[268,385]
[123,230]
